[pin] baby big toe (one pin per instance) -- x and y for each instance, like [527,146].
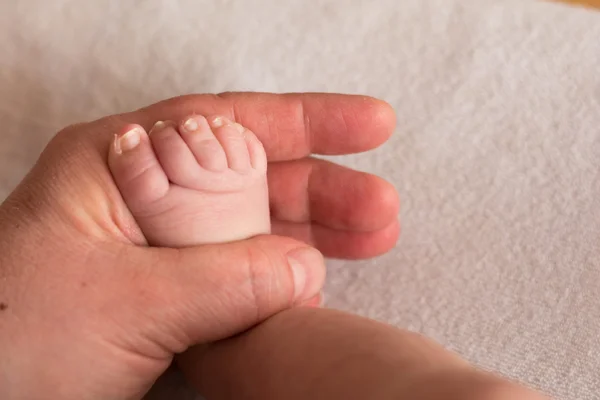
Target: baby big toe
[135,169]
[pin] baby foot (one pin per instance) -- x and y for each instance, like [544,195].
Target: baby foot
[202,181]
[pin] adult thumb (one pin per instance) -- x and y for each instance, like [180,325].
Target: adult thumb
[212,292]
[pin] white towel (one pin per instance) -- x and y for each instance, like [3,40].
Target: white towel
[496,152]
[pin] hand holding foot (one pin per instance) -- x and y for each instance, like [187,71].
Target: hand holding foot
[88,313]
[188,184]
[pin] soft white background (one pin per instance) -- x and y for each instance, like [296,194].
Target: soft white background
[496,154]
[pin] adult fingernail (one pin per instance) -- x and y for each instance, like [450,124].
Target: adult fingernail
[128,141]
[308,266]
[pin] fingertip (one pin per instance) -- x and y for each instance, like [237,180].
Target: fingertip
[384,116]
[374,206]
[391,196]
[387,201]
[344,199]
[369,121]
[394,231]
[380,242]
[381,118]
[307,266]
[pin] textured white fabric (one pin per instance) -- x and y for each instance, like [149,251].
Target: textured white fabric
[496,154]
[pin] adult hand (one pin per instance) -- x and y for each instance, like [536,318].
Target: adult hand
[88,313]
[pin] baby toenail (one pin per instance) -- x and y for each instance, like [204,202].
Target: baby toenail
[157,126]
[191,125]
[218,122]
[128,141]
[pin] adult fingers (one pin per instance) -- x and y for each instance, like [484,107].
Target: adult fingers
[203,294]
[290,126]
[336,197]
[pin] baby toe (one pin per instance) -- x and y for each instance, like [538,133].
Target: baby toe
[135,169]
[174,155]
[256,151]
[231,137]
[203,144]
